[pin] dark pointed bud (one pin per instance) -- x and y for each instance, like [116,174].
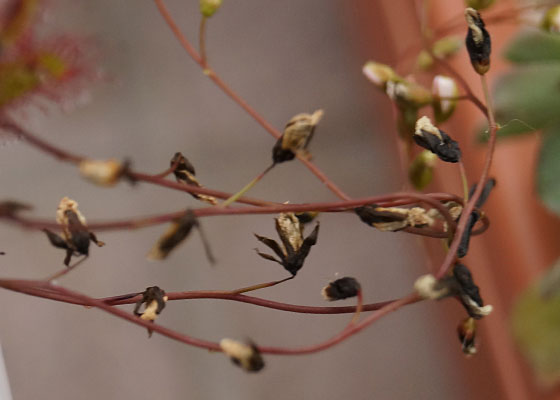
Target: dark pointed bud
[306,216]
[9,208]
[294,249]
[184,172]
[463,248]
[488,186]
[56,240]
[177,232]
[154,300]
[296,137]
[340,289]
[244,355]
[469,293]
[437,141]
[478,42]
[421,169]
[467,335]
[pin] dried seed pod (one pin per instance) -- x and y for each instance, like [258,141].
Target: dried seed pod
[469,293]
[306,216]
[75,235]
[340,289]
[102,172]
[154,300]
[294,248]
[184,172]
[296,137]
[421,169]
[444,90]
[467,335]
[428,287]
[8,208]
[478,42]
[244,355]
[177,232]
[393,219]
[209,7]
[379,74]
[437,141]
[488,186]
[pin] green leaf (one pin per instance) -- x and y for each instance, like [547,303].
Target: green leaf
[535,322]
[534,46]
[548,169]
[530,94]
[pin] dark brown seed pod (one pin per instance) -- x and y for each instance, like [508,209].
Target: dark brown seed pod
[296,137]
[244,355]
[478,42]
[340,289]
[469,292]
[184,172]
[437,141]
[294,249]
[393,219]
[466,331]
[153,299]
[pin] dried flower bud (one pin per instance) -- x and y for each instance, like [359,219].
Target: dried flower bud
[154,300]
[408,94]
[551,20]
[379,74]
[488,186]
[428,287]
[8,208]
[424,61]
[244,355]
[436,140]
[447,46]
[421,169]
[177,232]
[209,7]
[306,216]
[478,42]
[393,218]
[479,4]
[75,235]
[340,289]
[294,248]
[296,137]
[184,172]
[469,293]
[467,335]
[102,172]
[444,90]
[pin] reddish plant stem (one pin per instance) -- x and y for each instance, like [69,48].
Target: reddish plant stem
[208,71]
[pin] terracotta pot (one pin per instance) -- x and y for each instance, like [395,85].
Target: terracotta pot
[522,239]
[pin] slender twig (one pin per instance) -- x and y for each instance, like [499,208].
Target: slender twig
[233,198]
[202,41]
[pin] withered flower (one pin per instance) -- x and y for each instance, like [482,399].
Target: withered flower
[294,248]
[296,137]
[184,172]
[9,208]
[154,300]
[474,216]
[437,141]
[340,289]
[244,355]
[306,217]
[102,172]
[478,42]
[177,232]
[469,293]
[75,237]
[428,287]
[467,335]
[393,219]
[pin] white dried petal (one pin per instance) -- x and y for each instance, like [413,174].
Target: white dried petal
[101,172]
[418,216]
[149,313]
[427,287]
[290,228]
[445,87]
[476,309]
[425,124]
[471,15]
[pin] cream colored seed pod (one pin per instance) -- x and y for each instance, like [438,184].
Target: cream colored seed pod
[101,172]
